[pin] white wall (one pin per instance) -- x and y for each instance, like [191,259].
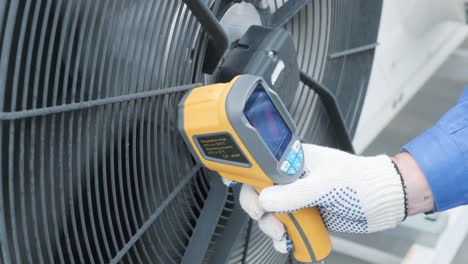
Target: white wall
[416,37]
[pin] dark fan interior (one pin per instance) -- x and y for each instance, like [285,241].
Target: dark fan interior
[92,168]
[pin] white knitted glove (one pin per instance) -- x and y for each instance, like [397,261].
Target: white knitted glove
[354,194]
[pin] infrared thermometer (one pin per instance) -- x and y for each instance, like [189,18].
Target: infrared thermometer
[243,131]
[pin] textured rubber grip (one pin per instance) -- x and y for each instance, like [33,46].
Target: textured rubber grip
[310,238]
[308,234]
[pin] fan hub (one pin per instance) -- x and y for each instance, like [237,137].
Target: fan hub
[238,18]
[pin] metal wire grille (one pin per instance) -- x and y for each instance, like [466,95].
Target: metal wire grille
[92,168]
[311,32]
[81,186]
[92,165]
[322,31]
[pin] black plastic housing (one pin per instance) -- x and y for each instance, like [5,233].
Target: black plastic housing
[269,53]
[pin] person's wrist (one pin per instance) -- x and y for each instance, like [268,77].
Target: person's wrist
[419,194]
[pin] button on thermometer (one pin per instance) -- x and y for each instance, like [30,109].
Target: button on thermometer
[243,131]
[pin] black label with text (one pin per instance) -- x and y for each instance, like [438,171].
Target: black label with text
[222,147]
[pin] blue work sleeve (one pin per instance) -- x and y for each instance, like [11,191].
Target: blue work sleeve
[442,154]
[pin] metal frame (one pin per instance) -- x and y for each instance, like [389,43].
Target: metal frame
[218,40]
[331,105]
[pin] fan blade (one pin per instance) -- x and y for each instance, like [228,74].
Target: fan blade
[207,221]
[231,232]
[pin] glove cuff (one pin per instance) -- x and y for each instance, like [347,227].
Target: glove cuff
[405,189]
[385,201]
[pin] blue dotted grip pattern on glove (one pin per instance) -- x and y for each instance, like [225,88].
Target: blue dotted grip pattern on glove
[342,212]
[288,243]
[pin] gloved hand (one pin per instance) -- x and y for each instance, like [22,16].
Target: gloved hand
[354,195]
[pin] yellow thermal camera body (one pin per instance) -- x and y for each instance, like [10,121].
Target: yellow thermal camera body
[243,131]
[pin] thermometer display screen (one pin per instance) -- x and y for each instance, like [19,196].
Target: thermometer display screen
[264,117]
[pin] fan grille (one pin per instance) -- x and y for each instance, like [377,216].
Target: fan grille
[82,184]
[92,168]
[83,176]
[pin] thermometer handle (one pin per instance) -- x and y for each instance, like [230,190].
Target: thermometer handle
[308,234]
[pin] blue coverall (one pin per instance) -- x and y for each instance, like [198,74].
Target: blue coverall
[442,154]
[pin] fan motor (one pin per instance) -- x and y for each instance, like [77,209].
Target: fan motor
[266,52]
